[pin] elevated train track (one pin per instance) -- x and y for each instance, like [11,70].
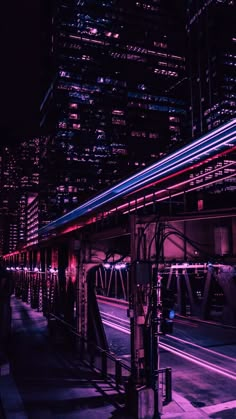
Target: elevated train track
[209,160]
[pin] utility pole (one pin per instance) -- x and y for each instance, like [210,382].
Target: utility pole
[140,393]
[144,398]
[156,331]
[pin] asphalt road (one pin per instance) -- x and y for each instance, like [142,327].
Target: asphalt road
[202,356]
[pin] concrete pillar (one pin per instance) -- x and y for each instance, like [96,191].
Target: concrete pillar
[54,258]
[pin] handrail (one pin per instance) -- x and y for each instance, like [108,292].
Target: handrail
[73,331]
[119,365]
[111,368]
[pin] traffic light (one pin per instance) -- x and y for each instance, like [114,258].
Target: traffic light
[168,312]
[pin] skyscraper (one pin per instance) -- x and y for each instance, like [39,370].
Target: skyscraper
[8,202]
[19,179]
[123,83]
[211,34]
[116,98]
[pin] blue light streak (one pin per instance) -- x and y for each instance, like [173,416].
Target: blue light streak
[206,146]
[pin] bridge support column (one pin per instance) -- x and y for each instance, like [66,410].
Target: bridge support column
[28,258]
[140,394]
[38,258]
[42,259]
[226,278]
[83,309]
[54,258]
[82,301]
[234,236]
[207,293]
[88,319]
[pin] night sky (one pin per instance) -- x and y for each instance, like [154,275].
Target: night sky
[19,70]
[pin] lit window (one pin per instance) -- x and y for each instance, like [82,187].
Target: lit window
[153,135]
[73,105]
[116,121]
[62,125]
[117,112]
[76,126]
[73,115]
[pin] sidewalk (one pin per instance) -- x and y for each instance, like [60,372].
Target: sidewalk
[42,384]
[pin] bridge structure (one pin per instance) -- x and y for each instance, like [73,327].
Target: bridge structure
[172,224]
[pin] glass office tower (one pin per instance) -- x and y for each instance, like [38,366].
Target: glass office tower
[115,101]
[211,33]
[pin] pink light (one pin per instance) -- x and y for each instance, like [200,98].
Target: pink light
[119,266]
[180,192]
[109,321]
[184,170]
[189,147]
[205,364]
[122,206]
[197,177]
[116,318]
[208,136]
[201,347]
[117,327]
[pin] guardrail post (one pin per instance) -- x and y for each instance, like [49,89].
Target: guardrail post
[168,374]
[104,364]
[91,356]
[118,373]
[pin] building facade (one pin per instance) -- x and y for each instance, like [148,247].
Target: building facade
[19,179]
[116,98]
[123,83]
[211,37]
[8,201]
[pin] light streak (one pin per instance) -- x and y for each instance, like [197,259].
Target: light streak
[183,191]
[117,327]
[115,317]
[202,348]
[186,148]
[205,364]
[222,137]
[172,158]
[182,354]
[175,165]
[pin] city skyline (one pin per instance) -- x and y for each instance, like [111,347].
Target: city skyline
[118,93]
[117,215]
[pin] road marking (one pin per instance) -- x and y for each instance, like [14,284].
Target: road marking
[178,352]
[117,327]
[199,361]
[202,347]
[114,317]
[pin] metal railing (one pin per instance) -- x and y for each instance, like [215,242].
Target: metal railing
[38,291]
[113,369]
